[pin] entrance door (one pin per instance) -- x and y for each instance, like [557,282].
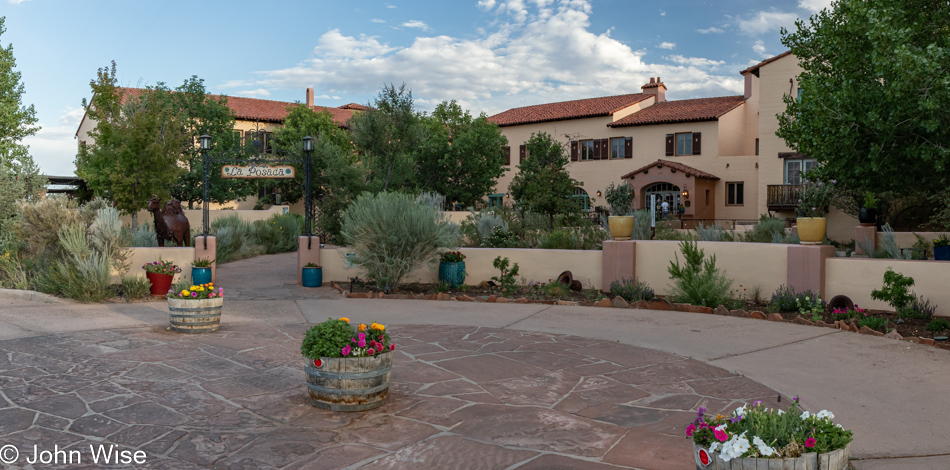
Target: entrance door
[665,192]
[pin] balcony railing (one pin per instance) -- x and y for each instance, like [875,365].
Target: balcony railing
[784,196]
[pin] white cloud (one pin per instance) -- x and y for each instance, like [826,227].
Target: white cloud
[377,20]
[390,6]
[54,147]
[17,2]
[759,48]
[667,45]
[416,24]
[258,93]
[695,61]
[535,51]
[711,30]
[767,22]
[814,6]
[486,4]
[662,13]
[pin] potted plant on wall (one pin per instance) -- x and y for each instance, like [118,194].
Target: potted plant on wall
[813,204]
[348,366]
[867,214]
[312,275]
[620,198]
[201,271]
[942,248]
[452,268]
[196,309]
[160,273]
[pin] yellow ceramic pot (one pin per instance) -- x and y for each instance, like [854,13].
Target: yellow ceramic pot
[621,227]
[811,230]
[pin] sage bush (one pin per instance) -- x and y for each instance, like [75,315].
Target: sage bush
[698,281]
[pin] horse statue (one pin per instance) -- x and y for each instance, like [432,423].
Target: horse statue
[170,222]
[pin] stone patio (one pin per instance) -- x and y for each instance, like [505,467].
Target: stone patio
[461,397]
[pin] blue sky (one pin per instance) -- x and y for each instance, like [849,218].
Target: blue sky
[490,55]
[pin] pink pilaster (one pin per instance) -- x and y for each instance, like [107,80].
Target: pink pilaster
[806,267]
[308,251]
[619,262]
[207,248]
[863,233]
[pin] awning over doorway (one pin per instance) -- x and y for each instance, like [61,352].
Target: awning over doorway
[674,167]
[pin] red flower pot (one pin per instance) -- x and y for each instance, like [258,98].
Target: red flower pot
[160,282]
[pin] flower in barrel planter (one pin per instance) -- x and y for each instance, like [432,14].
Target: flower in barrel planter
[348,365]
[757,432]
[196,309]
[160,273]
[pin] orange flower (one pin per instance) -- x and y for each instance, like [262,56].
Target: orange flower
[345,319]
[362,327]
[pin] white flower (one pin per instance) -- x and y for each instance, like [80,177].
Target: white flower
[806,415]
[781,412]
[825,414]
[734,447]
[721,427]
[713,446]
[764,449]
[740,411]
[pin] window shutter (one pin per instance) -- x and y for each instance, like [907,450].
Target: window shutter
[669,145]
[697,143]
[596,149]
[605,149]
[522,153]
[573,150]
[507,155]
[628,147]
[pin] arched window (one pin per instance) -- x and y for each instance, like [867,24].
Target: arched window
[665,192]
[582,198]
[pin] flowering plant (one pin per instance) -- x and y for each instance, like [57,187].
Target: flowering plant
[453,257]
[757,431]
[814,199]
[202,262]
[161,267]
[941,241]
[199,292]
[338,338]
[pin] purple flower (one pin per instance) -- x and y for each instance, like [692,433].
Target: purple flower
[701,411]
[736,419]
[194,294]
[757,403]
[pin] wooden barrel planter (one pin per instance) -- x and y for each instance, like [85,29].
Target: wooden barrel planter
[834,460]
[194,315]
[349,383]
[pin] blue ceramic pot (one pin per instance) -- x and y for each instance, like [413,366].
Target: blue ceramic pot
[452,274]
[312,277]
[200,275]
[942,253]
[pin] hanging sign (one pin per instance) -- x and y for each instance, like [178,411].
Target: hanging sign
[257,171]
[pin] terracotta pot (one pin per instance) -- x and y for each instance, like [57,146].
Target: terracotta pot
[811,230]
[621,226]
[160,282]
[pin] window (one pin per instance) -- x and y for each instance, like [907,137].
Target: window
[684,143]
[621,147]
[582,198]
[495,200]
[794,168]
[260,139]
[587,150]
[735,194]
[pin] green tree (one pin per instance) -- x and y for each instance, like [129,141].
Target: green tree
[386,137]
[543,184]
[137,145]
[337,177]
[19,175]
[462,156]
[204,114]
[875,95]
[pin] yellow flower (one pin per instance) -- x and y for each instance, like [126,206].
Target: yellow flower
[345,319]
[362,327]
[193,287]
[382,327]
[184,292]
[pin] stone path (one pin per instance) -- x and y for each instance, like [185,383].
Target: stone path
[461,397]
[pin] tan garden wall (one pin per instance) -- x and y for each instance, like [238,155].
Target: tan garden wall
[857,277]
[534,265]
[182,257]
[195,215]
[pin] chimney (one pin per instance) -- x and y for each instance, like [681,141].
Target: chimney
[309,97]
[655,88]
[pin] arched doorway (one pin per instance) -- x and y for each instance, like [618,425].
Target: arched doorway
[665,192]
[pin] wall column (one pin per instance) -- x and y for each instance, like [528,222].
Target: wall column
[307,253]
[620,262]
[806,267]
[862,232]
[207,248]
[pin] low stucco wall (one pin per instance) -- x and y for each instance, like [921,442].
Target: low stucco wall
[749,265]
[533,265]
[857,277]
[182,257]
[195,215]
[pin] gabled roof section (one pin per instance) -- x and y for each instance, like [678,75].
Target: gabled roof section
[674,165]
[755,68]
[701,109]
[354,106]
[591,107]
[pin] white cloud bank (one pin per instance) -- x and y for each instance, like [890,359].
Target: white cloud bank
[53,148]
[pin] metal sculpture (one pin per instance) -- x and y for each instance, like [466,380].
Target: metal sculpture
[170,222]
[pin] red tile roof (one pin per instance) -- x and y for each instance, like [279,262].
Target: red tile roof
[591,107]
[674,165]
[701,109]
[766,61]
[355,106]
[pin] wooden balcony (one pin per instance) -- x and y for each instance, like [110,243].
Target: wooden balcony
[783,197]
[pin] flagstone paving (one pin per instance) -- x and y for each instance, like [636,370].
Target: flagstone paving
[461,397]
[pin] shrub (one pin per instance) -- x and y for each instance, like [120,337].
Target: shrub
[874,323]
[135,287]
[921,308]
[235,239]
[507,276]
[556,290]
[392,235]
[143,236]
[559,239]
[895,292]
[641,225]
[698,281]
[787,300]
[712,233]
[767,230]
[632,291]
[501,238]
[938,324]
[279,233]
[12,273]
[84,274]
[619,197]
[40,222]
[480,225]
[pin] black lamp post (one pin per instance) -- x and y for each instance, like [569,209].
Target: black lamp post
[205,141]
[308,176]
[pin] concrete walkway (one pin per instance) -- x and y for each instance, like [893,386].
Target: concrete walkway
[892,394]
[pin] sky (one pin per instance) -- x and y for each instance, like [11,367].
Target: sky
[489,55]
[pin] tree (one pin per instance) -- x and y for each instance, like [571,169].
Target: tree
[386,137]
[462,157]
[875,95]
[543,183]
[137,145]
[337,177]
[19,175]
[204,114]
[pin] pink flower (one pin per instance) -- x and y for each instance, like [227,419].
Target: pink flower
[690,430]
[220,289]
[810,442]
[361,344]
[721,435]
[392,347]
[194,294]
[211,295]
[353,340]
[371,351]
[346,350]
[361,336]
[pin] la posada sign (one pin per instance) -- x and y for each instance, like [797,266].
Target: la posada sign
[257,171]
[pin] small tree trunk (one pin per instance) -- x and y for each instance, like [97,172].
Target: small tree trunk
[551,222]
[135,220]
[389,174]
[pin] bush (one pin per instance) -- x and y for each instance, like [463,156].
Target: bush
[698,281]
[712,233]
[938,324]
[279,233]
[135,287]
[501,238]
[235,238]
[40,222]
[556,290]
[632,291]
[641,225]
[874,323]
[143,236]
[480,225]
[767,230]
[84,274]
[392,235]
[921,308]
[507,276]
[895,292]
[787,300]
